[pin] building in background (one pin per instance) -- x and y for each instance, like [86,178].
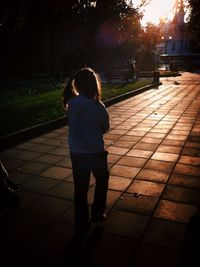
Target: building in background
[175,48]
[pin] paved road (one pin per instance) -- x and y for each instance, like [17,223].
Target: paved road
[154,187]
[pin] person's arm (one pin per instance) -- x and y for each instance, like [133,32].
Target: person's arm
[104,119]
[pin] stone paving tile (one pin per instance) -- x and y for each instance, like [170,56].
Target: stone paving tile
[146,188]
[9,153]
[185,180]
[169,149]
[132,161]
[187,169]
[159,165]
[108,142]
[147,123]
[56,142]
[130,138]
[61,130]
[118,183]
[12,164]
[139,127]
[27,198]
[183,126]
[146,146]
[155,135]
[126,224]
[150,255]
[115,131]
[38,140]
[159,130]
[55,238]
[39,184]
[56,172]
[123,126]
[19,177]
[65,162]
[116,250]
[181,132]
[33,167]
[124,171]
[63,139]
[63,190]
[71,179]
[50,135]
[42,148]
[117,150]
[139,153]
[171,142]
[125,144]
[136,203]
[60,151]
[136,133]
[68,215]
[175,211]
[112,158]
[153,175]
[151,140]
[112,136]
[110,165]
[195,139]
[191,152]
[180,194]
[192,145]
[26,145]
[112,196]
[48,207]
[49,159]
[28,155]
[176,137]
[165,156]
[165,233]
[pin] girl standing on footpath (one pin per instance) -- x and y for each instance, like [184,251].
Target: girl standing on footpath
[88,121]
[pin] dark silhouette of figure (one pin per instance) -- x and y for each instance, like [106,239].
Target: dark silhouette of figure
[132,71]
[88,121]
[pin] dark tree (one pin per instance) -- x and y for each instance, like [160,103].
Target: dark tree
[194,23]
[50,36]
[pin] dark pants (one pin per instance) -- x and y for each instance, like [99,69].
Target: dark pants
[83,165]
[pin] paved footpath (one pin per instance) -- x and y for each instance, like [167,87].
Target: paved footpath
[154,188]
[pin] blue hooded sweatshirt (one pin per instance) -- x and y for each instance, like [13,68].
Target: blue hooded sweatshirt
[88,121]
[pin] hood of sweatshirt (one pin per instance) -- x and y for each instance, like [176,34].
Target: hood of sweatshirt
[80,104]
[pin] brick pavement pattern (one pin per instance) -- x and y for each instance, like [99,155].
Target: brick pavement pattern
[154,186]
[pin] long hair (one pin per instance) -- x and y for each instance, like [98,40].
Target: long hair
[85,82]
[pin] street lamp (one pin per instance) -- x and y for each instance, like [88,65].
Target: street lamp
[166,40]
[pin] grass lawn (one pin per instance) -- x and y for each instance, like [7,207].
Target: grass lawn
[21,110]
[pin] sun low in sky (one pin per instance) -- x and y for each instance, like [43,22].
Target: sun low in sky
[156,10]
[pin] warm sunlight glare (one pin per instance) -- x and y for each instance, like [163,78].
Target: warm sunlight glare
[157,9]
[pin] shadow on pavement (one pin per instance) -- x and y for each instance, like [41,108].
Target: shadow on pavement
[191,242]
[79,251]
